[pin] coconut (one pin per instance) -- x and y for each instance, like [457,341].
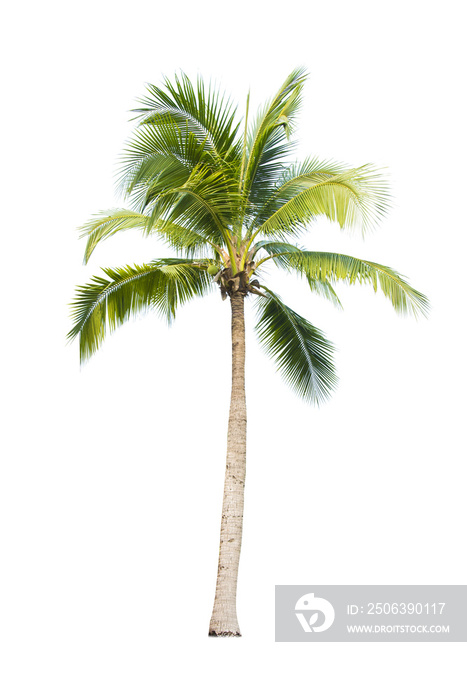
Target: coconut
[213,270]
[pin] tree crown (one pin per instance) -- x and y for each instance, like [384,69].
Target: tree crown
[228,196]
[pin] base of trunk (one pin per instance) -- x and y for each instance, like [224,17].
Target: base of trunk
[224,634]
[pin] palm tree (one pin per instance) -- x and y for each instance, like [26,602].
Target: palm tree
[229,199]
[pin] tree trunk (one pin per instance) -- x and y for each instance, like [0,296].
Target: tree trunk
[224,615]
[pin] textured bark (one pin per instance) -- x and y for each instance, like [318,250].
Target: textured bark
[224,615]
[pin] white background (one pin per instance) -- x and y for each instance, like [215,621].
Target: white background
[112,474]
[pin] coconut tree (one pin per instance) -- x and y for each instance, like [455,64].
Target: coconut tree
[230,200]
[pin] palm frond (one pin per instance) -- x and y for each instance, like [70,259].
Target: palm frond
[187,240]
[205,203]
[107,224]
[325,289]
[333,267]
[112,221]
[280,253]
[106,303]
[268,140]
[163,154]
[274,248]
[206,112]
[352,197]
[171,175]
[302,354]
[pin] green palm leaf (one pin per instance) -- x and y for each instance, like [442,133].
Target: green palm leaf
[325,289]
[170,174]
[302,353]
[350,197]
[162,154]
[334,267]
[107,224]
[274,248]
[281,253]
[200,204]
[208,114]
[268,140]
[106,303]
[110,222]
